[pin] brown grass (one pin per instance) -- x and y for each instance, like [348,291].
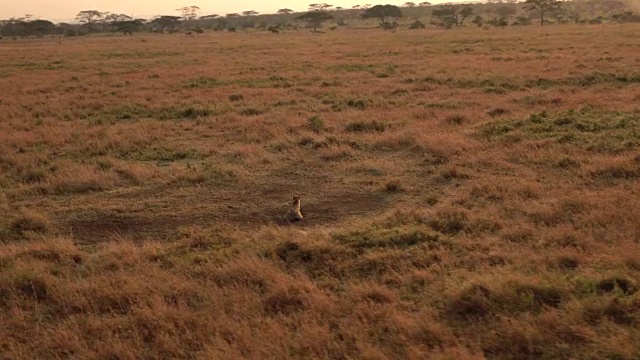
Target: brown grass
[456,206]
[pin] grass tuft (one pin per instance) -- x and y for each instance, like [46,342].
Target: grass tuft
[363,127]
[30,221]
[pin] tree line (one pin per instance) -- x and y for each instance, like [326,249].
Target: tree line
[500,13]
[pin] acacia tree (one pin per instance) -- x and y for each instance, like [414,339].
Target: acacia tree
[316,15]
[447,16]
[383,12]
[315,18]
[503,13]
[90,17]
[319,7]
[40,27]
[285,11]
[463,14]
[112,18]
[189,12]
[24,26]
[166,22]
[127,27]
[247,21]
[123,23]
[478,20]
[542,7]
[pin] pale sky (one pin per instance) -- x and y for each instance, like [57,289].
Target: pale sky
[59,10]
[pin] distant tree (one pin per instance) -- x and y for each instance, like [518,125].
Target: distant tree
[23,26]
[233,15]
[478,20]
[417,25]
[449,15]
[67,29]
[209,17]
[166,22]
[522,20]
[247,21]
[127,27]
[41,27]
[90,17]
[409,4]
[463,14]
[382,12]
[499,22]
[189,13]
[275,29]
[285,11]
[425,3]
[503,13]
[319,7]
[112,18]
[445,15]
[542,7]
[315,18]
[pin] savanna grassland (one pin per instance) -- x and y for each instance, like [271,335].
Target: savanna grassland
[467,194]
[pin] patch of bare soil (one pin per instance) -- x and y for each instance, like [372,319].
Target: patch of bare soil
[147,214]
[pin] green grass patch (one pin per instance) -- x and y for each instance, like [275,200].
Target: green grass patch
[603,131]
[388,238]
[501,85]
[138,54]
[202,82]
[362,126]
[165,154]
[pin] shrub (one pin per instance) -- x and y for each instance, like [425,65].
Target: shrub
[361,126]
[316,123]
[285,302]
[250,112]
[202,82]
[417,25]
[455,120]
[30,221]
[358,104]
[497,112]
[393,187]
[608,285]
[472,302]
[31,285]
[449,221]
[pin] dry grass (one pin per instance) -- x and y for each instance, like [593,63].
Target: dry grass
[457,205]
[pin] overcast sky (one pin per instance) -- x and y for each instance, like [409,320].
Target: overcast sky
[67,9]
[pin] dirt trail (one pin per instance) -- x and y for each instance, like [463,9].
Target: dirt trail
[157,213]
